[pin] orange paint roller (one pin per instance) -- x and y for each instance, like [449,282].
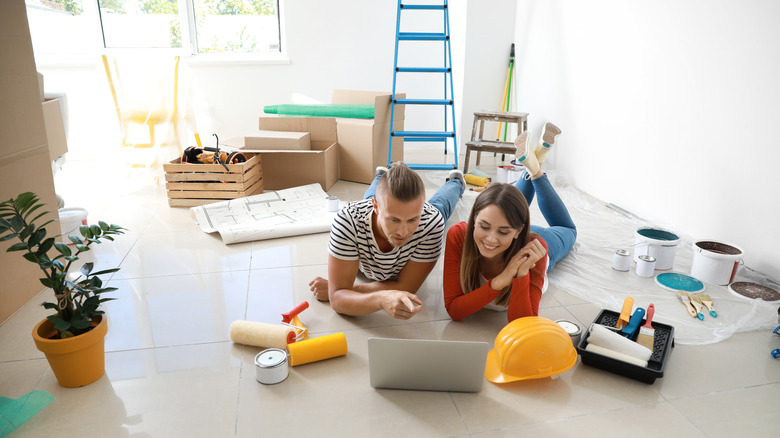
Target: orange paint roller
[316,349]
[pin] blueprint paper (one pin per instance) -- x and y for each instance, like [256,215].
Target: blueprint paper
[270,215]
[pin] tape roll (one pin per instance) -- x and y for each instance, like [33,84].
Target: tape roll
[315,349]
[260,334]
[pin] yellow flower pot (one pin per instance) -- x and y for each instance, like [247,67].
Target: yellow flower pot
[75,361]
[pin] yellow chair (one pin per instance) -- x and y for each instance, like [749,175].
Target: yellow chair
[145,92]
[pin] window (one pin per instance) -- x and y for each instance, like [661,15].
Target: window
[191,26]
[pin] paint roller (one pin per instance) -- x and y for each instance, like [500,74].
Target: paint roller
[476,180]
[260,334]
[604,341]
[316,349]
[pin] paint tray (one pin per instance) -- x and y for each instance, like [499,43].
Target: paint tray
[662,346]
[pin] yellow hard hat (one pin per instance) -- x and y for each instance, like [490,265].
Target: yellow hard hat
[530,348]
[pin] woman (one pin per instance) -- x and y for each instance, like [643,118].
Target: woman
[498,260]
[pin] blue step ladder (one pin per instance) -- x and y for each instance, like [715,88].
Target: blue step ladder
[447,102]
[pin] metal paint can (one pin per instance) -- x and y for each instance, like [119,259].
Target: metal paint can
[621,261]
[574,331]
[645,266]
[271,366]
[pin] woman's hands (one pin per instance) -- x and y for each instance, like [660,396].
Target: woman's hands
[519,264]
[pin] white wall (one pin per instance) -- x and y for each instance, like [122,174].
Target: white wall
[668,110]
[667,107]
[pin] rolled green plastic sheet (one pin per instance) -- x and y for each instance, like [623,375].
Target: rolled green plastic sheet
[13,413]
[351,111]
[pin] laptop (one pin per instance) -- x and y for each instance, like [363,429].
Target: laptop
[427,365]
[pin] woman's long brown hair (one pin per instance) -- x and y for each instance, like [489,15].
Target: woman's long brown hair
[513,204]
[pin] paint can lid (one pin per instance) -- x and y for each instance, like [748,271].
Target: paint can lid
[271,358]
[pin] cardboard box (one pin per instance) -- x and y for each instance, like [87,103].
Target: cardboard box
[190,184]
[284,169]
[55,127]
[26,166]
[277,140]
[363,144]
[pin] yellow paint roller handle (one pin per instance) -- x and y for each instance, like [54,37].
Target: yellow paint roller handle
[316,349]
[476,180]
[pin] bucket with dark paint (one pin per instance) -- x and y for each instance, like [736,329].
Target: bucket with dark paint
[660,244]
[715,262]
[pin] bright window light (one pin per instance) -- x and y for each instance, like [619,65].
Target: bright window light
[191,26]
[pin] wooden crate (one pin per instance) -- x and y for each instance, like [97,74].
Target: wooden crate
[190,185]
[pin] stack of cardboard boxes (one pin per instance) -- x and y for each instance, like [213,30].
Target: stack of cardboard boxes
[24,145]
[304,150]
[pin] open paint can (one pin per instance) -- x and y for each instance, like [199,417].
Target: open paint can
[715,262]
[659,244]
[271,366]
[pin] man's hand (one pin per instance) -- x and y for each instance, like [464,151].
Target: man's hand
[400,304]
[319,287]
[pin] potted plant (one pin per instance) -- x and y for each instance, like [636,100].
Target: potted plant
[79,326]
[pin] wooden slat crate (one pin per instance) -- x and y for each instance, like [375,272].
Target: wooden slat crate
[190,185]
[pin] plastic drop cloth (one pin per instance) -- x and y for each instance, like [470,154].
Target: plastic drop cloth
[587,271]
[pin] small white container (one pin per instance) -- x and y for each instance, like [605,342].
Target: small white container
[271,366]
[621,261]
[574,331]
[332,203]
[70,221]
[645,266]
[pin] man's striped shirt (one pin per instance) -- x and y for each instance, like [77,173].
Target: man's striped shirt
[352,238]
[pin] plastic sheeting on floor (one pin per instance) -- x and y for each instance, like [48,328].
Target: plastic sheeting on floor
[587,271]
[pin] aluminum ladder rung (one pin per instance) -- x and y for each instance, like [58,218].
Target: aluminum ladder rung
[432,166]
[422,36]
[423,101]
[422,70]
[426,139]
[422,134]
[427,7]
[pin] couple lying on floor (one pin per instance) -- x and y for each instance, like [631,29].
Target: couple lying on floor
[496,260]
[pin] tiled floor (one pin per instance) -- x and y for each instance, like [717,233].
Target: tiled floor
[171,370]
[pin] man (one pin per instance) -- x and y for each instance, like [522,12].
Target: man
[393,237]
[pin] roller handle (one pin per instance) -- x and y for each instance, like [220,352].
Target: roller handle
[633,325]
[625,312]
[649,316]
[288,316]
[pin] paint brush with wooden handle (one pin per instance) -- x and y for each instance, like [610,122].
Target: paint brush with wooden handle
[707,301]
[686,302]
[697,304]
[646,335]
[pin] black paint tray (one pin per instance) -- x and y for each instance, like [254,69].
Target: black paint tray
[662,346]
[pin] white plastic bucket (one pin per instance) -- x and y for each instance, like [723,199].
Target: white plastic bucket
[715,262]
[70,221]
[660,244]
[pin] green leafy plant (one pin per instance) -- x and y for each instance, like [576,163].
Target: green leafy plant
[78,300]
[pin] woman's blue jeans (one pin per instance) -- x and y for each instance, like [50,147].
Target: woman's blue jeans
[561,233]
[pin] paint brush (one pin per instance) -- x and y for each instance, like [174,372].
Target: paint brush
[697,304]
[707,301]
[646,335]
[686,302]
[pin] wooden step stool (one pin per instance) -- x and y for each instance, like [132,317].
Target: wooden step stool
[478,144]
